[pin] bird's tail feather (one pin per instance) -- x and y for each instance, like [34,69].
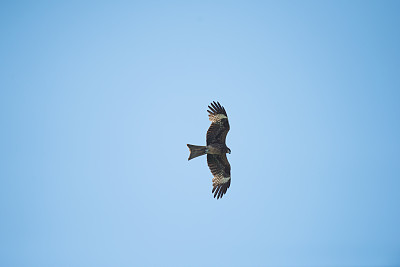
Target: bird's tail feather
[196,151]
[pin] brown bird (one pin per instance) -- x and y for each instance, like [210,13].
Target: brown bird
[216,149]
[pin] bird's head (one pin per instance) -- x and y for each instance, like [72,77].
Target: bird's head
[228,150]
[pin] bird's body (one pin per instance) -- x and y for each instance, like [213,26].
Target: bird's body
[216,149]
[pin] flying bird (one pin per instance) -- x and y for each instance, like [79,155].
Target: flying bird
[216,149]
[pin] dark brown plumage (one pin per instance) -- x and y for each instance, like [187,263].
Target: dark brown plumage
[216,149]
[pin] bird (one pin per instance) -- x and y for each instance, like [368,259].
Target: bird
[216,149]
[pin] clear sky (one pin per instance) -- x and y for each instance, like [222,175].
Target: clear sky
[98,101]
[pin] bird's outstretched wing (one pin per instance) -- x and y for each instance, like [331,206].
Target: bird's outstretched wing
[221,170]
[219,127]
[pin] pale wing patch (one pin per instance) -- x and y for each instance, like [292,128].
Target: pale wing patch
[217,180]
[217,117]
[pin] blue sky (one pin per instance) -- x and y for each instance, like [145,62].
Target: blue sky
[99,99]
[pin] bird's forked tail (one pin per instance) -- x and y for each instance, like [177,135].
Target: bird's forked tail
[196,151]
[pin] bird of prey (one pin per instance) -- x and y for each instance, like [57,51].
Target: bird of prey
[216,149]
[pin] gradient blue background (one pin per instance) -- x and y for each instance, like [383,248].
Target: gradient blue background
[98,101]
